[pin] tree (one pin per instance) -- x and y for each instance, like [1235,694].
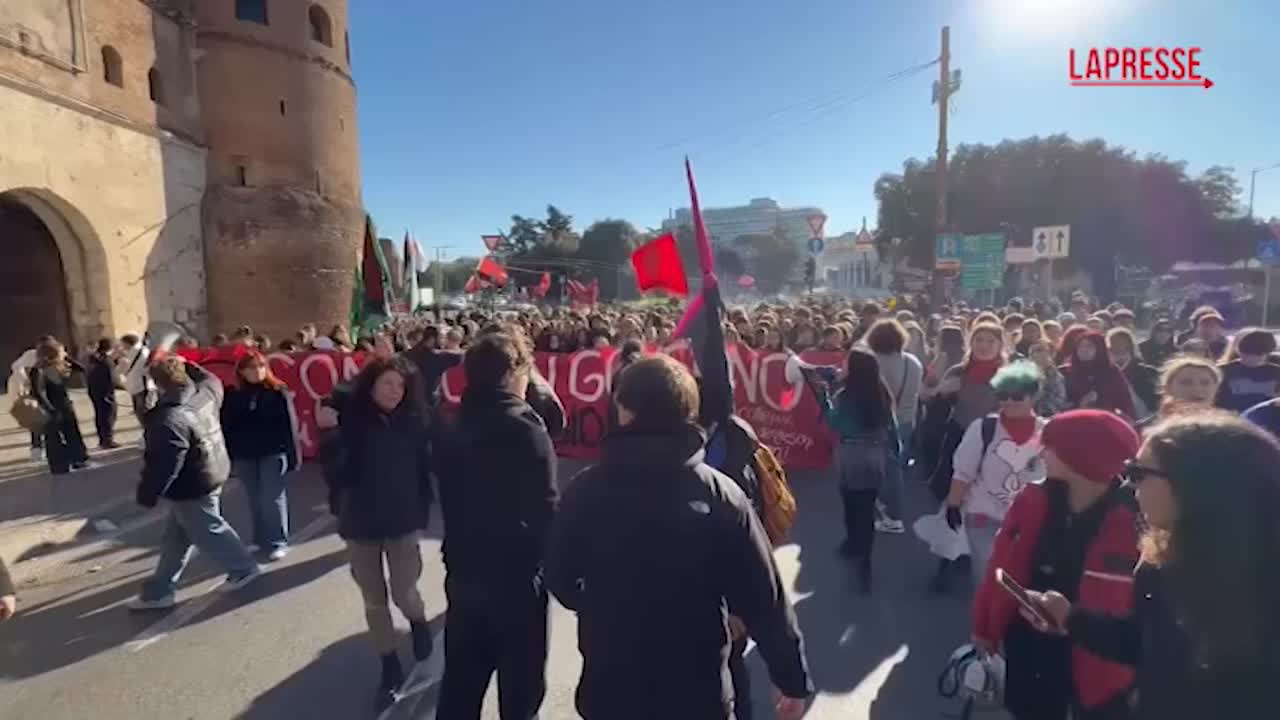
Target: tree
[729,262]
[524,236]
[606,249]
[1140,211]
[771,258]
[453,274]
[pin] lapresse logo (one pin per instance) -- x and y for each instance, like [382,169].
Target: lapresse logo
[1136,67]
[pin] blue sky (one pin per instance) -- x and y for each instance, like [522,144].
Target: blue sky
[470,112]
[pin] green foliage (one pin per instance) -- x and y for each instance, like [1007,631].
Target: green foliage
[454,274]
[1121,207]
[770,258]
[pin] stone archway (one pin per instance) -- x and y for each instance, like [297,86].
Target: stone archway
[53,273]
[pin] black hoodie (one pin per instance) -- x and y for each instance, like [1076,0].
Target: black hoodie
[497,471]
[652,547]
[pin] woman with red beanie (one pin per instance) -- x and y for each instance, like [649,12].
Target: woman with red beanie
[1093,381]
[1076,534]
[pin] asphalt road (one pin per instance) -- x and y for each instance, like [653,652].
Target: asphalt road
[292,645]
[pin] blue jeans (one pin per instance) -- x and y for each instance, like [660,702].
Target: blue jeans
[264,483]
[894,468]
[194,524]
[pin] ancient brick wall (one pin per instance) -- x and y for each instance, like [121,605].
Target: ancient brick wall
[282,224]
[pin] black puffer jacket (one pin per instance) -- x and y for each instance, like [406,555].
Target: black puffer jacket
[257,424]
[378,468]
[652,547]
[185,455]
[497,471]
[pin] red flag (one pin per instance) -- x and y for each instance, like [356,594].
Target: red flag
[657,265]
[544,284]
[490,270]
[474,285]
[702,320]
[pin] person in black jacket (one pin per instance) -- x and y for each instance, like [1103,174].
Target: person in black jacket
[653,549]
[64,446]
[100,381]
[259,431]
[1203,636]
[432,362]
[185,461]
[378,466]
[497,471]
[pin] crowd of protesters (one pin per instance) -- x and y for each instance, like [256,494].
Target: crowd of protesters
[1111,475]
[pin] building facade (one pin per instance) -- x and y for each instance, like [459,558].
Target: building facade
[184,160]
[761,216]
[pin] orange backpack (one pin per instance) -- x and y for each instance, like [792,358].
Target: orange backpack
[777,504]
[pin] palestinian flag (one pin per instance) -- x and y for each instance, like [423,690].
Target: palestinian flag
[369,307]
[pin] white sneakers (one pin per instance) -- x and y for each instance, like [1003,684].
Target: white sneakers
[892,527]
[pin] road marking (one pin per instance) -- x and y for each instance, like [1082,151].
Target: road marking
[191,609]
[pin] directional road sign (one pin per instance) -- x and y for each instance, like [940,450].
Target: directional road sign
[1051,242]
[1269,251]
[815,246]
[982,261]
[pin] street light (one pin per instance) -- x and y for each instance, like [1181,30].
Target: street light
[1253,181]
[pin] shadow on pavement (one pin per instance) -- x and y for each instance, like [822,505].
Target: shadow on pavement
[339,683]
[885,648]
[59,633]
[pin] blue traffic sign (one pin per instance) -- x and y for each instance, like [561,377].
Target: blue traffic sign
[1269,251]
[815,246]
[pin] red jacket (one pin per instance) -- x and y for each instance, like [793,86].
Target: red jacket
[1106,586]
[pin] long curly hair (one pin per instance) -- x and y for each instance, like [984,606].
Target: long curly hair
[1221,552]
[412,407]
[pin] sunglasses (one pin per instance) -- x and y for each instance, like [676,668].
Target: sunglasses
[1011,396]
[1135,472]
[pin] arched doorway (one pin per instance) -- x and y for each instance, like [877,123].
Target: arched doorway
[33,286]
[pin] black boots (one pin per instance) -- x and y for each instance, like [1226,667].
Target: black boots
[422,641]
[392,679]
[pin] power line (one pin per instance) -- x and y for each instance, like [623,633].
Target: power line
[816,103]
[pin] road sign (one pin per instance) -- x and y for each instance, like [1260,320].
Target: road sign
[815,245]
[982,261]
[1020,255]
[1269,251]
[947,252]
[864,242]
[816,223]
[1051,242]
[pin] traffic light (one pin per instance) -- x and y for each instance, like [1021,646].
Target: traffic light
[810,272]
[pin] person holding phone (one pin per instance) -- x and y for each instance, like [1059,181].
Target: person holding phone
[1202,632]
[1075,533]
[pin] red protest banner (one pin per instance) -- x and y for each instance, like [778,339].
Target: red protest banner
[785,415]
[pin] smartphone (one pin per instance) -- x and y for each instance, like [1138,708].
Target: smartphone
[1020,594]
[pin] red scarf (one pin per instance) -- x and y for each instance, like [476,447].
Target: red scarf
[1020,429]
[981,371]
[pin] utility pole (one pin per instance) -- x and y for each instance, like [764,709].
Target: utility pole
[1266,269]
[942,95]
[438,289]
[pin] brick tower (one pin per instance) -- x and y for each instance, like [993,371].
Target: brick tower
[282,213]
